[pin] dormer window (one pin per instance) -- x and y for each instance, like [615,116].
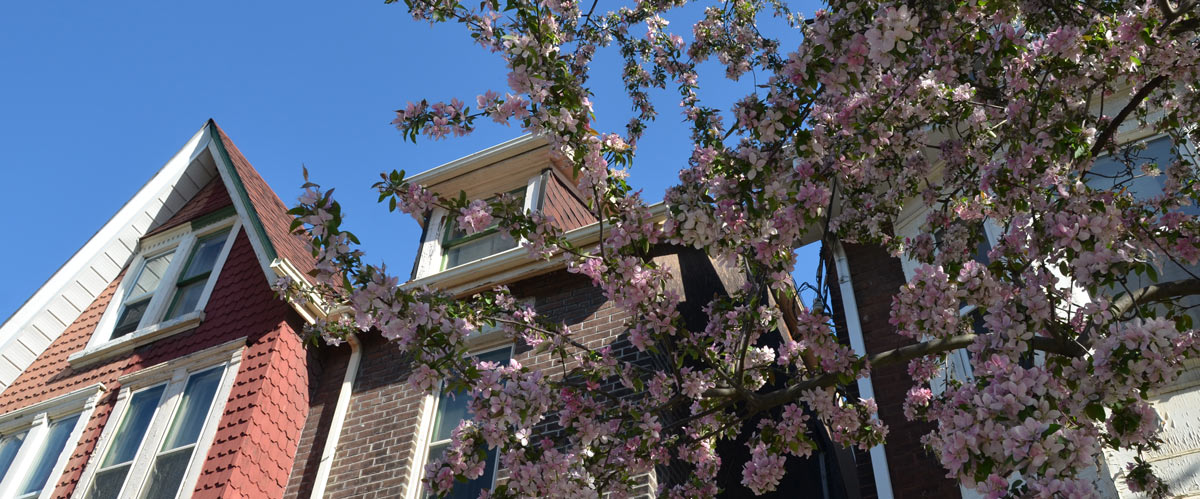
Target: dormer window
[523,168]
[458,247]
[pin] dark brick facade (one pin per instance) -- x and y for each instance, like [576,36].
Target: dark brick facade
[876,276]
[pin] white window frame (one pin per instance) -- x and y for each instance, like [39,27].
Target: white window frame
[152,327]
[429,257]
[35,420]
[485,341]
[175,373]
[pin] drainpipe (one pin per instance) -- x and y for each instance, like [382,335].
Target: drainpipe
[339,418]
[879,466]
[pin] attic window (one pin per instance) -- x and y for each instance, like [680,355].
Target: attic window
[458,247]
[171,278]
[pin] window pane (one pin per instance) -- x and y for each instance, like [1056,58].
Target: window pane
[1115,171]
[52,448]
[107,484]
[130,317]
[479,248]
[451,410]
[471,489]
[8,451]
[129,435]
[151,274]
[197,400]
[167,474]
[204,255]
[186,299]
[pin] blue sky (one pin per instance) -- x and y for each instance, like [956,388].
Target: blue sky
[95,97]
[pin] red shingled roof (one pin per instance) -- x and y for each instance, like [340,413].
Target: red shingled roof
[269,209]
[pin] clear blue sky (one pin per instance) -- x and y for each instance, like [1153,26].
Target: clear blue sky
[95,97]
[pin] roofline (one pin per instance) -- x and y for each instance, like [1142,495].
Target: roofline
[477,160]
[240,188]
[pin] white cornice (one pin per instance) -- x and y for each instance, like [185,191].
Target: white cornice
[477,160]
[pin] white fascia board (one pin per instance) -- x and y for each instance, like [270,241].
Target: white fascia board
[243,207]
[511,265]
[108,236]
[477,160]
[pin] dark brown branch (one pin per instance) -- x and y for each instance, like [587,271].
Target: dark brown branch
[1149,294]
[1155,293]
[891,358]
[1133,104]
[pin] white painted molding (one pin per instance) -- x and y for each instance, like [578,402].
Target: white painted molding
[136,339]
[879,464]
[477,160]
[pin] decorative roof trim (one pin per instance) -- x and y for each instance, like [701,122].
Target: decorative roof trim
[57,303]
[477,160]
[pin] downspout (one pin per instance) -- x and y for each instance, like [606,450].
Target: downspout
[879,466]
[339,419]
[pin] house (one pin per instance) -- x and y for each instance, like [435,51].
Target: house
[157,361]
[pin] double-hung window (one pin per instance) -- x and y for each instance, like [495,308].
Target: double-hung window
[445,245]
[167,285]
[447,411]
[36,442]
[157,437]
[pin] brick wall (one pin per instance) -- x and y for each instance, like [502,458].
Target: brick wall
[914,471]
[327,368]
[378,441]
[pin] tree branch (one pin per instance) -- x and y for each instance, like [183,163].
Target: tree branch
[1133,104]
[900,356]
[1155,293]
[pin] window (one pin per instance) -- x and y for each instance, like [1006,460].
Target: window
[1124,171]
[159,431]
[36,442]
[195,274]
[445,246]
[458,247]
[450,409]
[169,280]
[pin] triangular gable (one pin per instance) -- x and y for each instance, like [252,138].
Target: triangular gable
[83,277]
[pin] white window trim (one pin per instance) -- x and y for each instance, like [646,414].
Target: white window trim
[174,373]
[487,342]
[429,256]
[180,240]
[36,419]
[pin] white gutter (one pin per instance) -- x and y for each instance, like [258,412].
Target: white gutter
[879,466]
[339,418]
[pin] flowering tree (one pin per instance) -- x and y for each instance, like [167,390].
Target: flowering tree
[980,112]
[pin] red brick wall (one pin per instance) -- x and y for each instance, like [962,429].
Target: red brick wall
[914,471]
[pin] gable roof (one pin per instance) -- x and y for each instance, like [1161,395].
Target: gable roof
[207,156]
